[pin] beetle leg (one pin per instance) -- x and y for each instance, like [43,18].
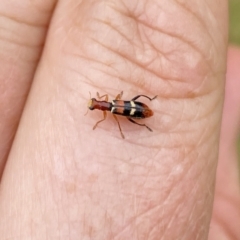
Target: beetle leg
[118,125]
[119,96]
[104,117]
[143,125]
[138,96]
[105,95]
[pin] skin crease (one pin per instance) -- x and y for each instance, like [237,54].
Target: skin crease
[62,180]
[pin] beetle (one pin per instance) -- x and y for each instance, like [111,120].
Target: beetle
[130,109]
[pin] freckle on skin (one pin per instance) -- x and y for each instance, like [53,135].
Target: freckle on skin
[70,187]
[92,178]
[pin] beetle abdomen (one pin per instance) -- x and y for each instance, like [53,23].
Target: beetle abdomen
[131,109]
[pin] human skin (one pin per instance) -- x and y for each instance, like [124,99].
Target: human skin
[62,180]
[226,212]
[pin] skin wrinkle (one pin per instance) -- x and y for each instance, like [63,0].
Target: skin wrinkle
[172,34]
[154,227]
[126,8]
[183,6]
[195,95]
[21,44]
[115,159]
[167,80]
[18,36]
[135,62]
[32,61]
[159,50]
[131,60]
[21,21]
[125,37]
[114,28]
[86,59]
[128,194]
[162,145]
[151,227]
[101,44]
[146,179]
[169,223]
[119,78]
[151,209]
[184,40]
[90,81]
[129,40]
[214,128]
[199,119]
[194,227]
[121,231]
[112,75]
[193,190]
[107,221]
[203,135]
[125,227]
[180,207]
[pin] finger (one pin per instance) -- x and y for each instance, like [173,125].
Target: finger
[226,214]
[162,180]
[23,27]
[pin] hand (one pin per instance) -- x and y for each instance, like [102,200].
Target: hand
[62,180]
